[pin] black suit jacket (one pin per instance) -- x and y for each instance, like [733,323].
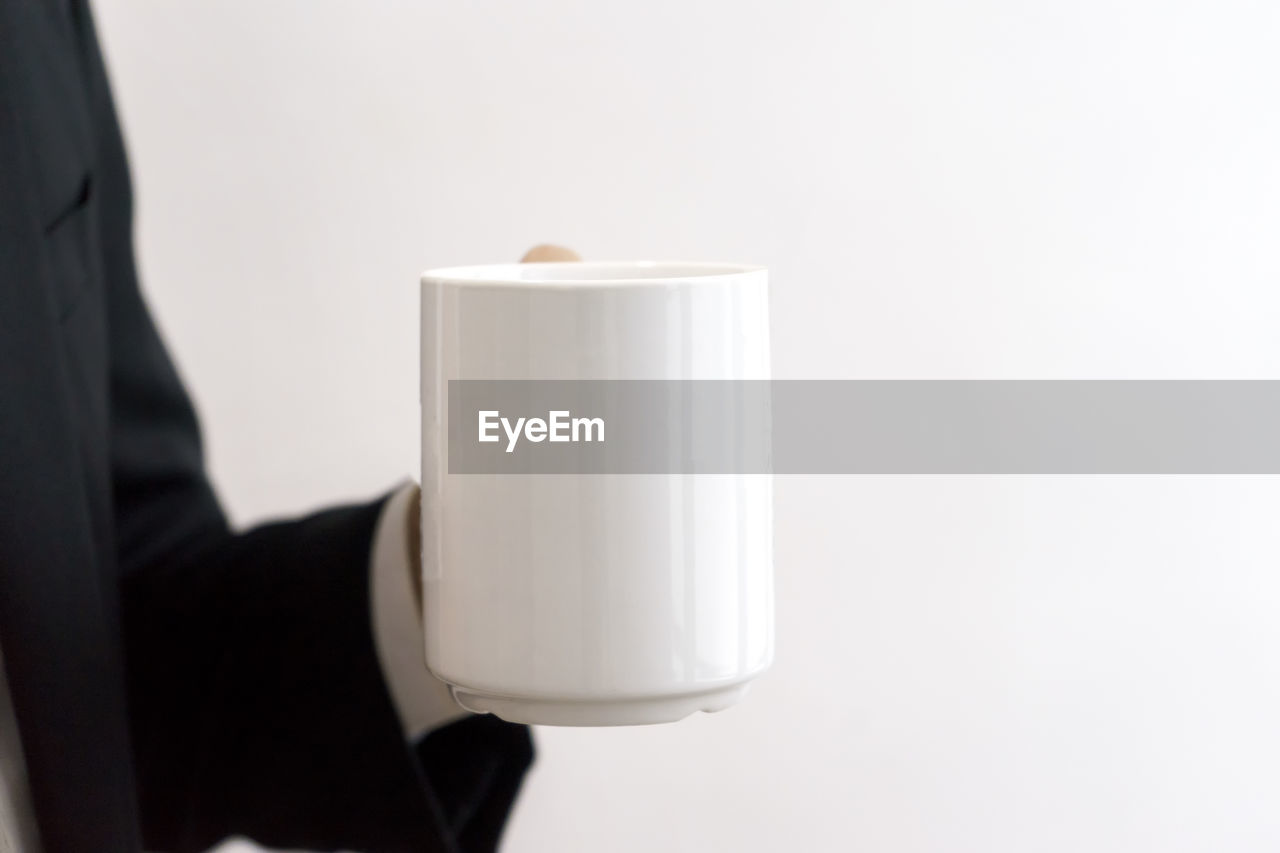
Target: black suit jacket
[174,681]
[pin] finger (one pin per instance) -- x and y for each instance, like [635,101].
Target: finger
[547,252]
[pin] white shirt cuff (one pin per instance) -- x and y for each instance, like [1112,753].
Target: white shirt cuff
[422,700]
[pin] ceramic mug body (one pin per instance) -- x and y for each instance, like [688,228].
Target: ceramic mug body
[593,599]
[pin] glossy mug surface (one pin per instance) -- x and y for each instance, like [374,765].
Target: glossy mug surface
[593,599]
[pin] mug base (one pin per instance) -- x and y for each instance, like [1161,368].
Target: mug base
[599,712]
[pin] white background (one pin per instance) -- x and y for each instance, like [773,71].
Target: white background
[941,190]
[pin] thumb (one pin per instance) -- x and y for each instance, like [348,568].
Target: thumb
[545,252]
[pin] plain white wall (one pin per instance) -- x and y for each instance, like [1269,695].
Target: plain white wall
[946,190]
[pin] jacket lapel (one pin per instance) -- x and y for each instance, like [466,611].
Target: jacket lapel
[57,595]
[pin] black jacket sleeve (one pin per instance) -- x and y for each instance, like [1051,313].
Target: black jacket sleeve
[256,700]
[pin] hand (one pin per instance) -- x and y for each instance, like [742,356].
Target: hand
[542,253]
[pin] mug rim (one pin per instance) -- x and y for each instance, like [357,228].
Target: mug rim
[543,274]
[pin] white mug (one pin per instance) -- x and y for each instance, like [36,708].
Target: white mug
[593,599]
